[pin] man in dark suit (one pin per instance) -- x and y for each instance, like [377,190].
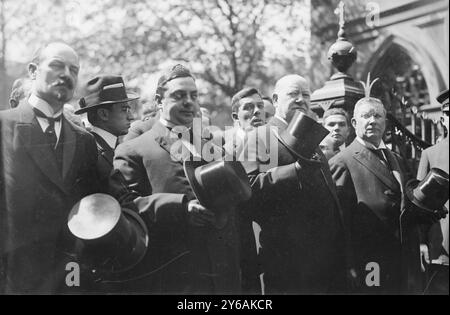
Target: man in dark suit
[295,203]
[247,111]
[108,111]
[370,180]
[47,165]
[435,246]
[198,256]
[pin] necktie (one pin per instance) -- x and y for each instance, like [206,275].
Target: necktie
[381,156]
[49,132]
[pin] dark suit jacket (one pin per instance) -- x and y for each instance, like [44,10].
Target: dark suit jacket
[195,260]
[104,161]
[302,239]
[436,156]
[36,198]
[375,213]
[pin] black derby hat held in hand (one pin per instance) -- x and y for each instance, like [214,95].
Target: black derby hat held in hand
[218,185]
[431,193]
[303,135]
[109,239]
[103,90]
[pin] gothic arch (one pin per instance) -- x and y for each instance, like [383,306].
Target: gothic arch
[432,74]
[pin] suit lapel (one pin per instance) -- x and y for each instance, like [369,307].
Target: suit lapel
[369,160]
[69,145]
[32,137]
[105,150]
[166,141]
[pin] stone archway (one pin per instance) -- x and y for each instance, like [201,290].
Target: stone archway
[420,56]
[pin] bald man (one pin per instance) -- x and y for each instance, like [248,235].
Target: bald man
[295,203]
[47,164]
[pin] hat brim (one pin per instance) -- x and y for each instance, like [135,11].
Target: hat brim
[189,170]
[130,97]
[410,186]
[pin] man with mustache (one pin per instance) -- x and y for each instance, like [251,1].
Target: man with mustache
[370,180]
[196,255]
[47,164]
[106,103]
[337,122]
[294,201]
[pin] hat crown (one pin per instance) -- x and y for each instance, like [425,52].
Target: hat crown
[436,182]
[303,135]
[102,90]
[108,237]
[94,216]
[219,183]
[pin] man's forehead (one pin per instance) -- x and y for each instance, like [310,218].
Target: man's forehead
[183,83]
[370,107]
[336,117]
[293,82]
[60,52]
[255,98]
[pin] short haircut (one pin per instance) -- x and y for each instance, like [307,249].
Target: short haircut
[245,92]
[336,111]
[267,98]
[368,100]
[177,71]
[37,55]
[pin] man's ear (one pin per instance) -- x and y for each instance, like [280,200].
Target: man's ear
[274,98]
[234,115]
[158,101]
[353,121]
[32,68]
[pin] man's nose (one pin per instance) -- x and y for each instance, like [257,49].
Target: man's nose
[188,100]
[299,98]
[130,115]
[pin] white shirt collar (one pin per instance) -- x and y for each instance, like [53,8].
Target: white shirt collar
[110,139]
[281,119]
[370,145]
[43,106]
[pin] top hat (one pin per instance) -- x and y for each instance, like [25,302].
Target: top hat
[103,90]
[443,99]
[303,135]
[109,238]
[219,184]
[431,193]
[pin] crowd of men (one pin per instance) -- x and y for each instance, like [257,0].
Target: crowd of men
[336,220]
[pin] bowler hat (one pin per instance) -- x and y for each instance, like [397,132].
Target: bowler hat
[104,90]
[303,135]
[431,193]
[443,99]
[109,239]
[219,184]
